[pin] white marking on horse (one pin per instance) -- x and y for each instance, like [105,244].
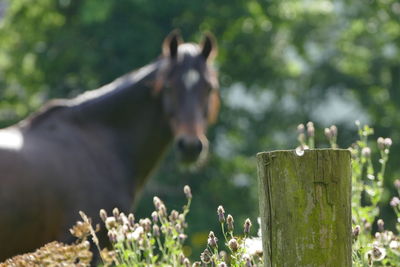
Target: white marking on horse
[11,139]
[190,78]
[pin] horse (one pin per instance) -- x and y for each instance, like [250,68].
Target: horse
[96,151]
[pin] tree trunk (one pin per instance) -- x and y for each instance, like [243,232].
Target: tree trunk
[305,207]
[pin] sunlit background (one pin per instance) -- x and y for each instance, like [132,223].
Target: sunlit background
[280,63]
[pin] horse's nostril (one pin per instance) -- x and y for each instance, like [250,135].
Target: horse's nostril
[198,146]
[181,144]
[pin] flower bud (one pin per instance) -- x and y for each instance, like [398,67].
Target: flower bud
[366,152]
[395,202]
[247,227]
[116,213]
[300,129]
[187,191]
[103,215]
[381,143]
[310,129]
[212,240]
[381,225]
[229,222]
[154,216]
[156,230]
[221,214]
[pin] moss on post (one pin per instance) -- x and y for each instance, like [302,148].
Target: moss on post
[305,207]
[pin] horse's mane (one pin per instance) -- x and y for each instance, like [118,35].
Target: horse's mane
[50,108]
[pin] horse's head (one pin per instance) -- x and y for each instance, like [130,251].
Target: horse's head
[190,92]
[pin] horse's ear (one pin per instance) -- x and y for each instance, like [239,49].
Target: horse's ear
[171,43]
[209,46]
[213,106]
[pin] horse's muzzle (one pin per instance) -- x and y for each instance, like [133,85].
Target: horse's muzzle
[190,148]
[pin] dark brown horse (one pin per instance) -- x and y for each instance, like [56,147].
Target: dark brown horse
[97,150]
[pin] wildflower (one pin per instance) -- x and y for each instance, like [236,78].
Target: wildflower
[186,262]
[300,128]
[162,212]
[381,143]
[205,256]
[395,202]
[377,253]
[112,235]
[356,232]
[221,214]
[146,224]
[156,230]
[253,246]
[247,260]
[154,216]
[212,240]
[131,219]
[328,133]
[157,202]
[173,216]
[310,129]
[135,235]
[187,191]
[333,130]
[182,238]
[366,152]
[196,264]
[103,215]
[397,184]
[229,222]
[110,222]
[247,226]
[233,244]
[222,264]
[116,213]
[388,142]
[381,225]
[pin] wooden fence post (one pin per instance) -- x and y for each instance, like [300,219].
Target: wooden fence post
[305,207]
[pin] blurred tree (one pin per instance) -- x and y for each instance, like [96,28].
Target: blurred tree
[280,62]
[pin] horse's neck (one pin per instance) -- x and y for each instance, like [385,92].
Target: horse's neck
[133,117]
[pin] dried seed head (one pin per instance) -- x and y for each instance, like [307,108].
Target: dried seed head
[116,213]
[212,240]
[229,222]
[233,244]
[103,215]
[187,191]
[196,264]
[221,214]
[205,256]
[154,216]
[247,227]
[381,225]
